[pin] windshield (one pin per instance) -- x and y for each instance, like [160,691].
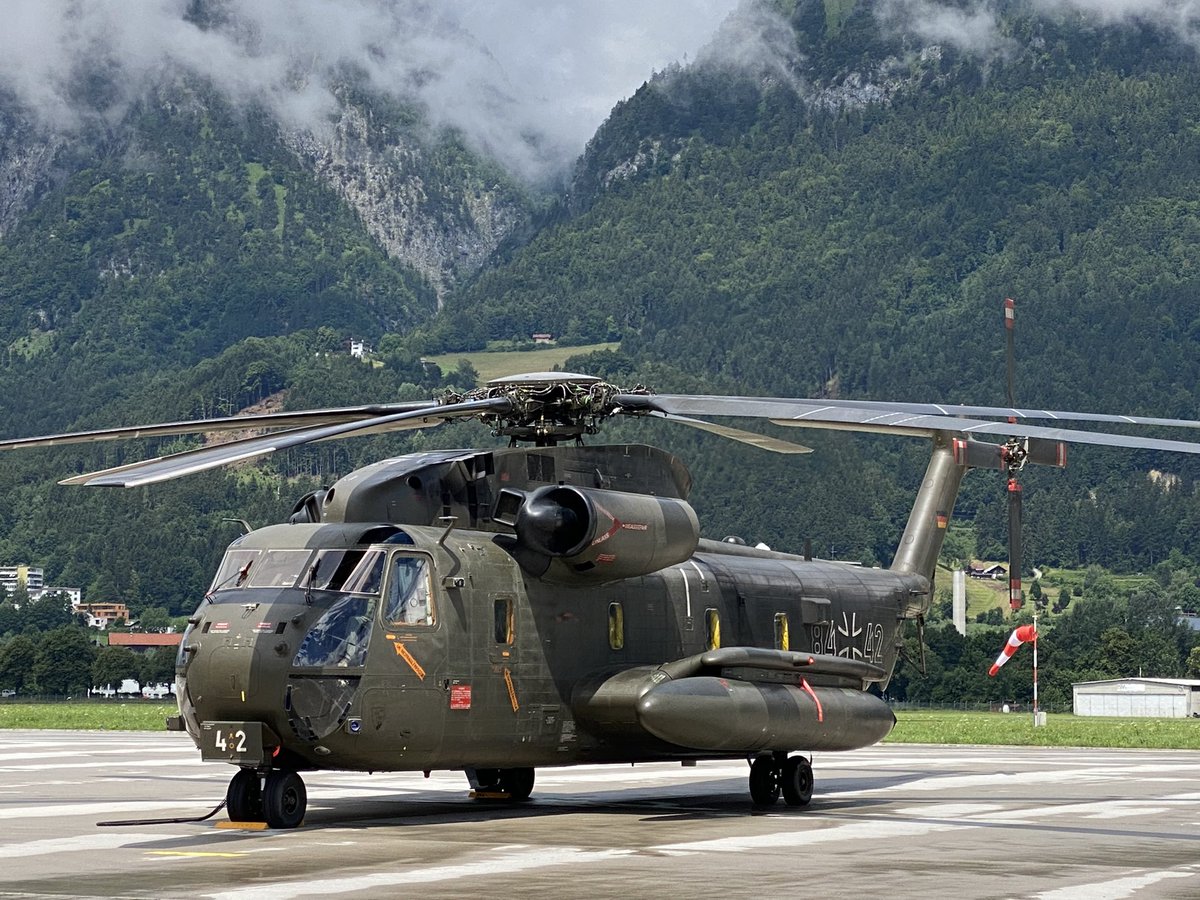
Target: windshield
[234,570]
[278,568]
[353,571]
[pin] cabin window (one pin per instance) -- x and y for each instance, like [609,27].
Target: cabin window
[781,631]
[340,637]
[616,626]
[712,622]
[409,592]
[502,612]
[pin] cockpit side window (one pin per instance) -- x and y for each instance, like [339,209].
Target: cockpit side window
[409,591]
[235,569]
[367,575]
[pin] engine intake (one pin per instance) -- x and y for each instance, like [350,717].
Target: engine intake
[569,534]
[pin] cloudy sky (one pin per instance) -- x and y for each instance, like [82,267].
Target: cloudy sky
[527,81]
[530,80]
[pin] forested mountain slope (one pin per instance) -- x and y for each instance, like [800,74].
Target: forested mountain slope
[752,231]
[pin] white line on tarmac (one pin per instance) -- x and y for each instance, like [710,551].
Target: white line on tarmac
[519,861]
[82,844]
[1117,888]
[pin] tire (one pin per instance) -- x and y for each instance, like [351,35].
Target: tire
[797,781]
[284,799]
[517,783]
[764,781]
[243,799]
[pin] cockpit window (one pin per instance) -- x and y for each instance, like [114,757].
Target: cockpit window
[409,595]
[367,575]
[235,569]
[358,571]
[340,637]
[278,568]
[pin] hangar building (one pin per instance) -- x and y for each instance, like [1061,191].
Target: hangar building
[1164,698]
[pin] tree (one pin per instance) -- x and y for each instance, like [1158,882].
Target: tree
[51,610]
[16,663]
[113,665]
[155,618]
[63,664]
[1193,663]
[157,667]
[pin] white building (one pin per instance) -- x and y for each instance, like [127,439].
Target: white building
[1164,698]
[31,578]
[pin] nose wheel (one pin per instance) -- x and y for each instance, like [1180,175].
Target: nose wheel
[279,799]
[775,774]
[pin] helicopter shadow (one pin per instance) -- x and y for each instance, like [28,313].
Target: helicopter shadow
[724,798]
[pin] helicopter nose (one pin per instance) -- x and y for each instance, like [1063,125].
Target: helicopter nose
[239,656]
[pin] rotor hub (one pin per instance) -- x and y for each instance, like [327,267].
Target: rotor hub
[547,407]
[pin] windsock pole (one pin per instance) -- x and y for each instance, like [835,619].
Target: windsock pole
[1035,692]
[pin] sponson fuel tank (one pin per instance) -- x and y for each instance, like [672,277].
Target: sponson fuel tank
[723,715]
[739,700]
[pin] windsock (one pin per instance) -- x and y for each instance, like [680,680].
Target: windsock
[1015,640]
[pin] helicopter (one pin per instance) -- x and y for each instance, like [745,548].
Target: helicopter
[552,602]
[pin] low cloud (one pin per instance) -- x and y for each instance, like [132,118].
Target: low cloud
[526,81]
[975,27]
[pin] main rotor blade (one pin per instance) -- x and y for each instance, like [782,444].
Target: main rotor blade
[822,414]
[177,465]
[766,442]
[306,418]
[701,405]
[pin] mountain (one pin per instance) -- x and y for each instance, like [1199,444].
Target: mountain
[832,199]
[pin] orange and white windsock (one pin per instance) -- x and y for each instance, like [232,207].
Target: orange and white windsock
[1015,640]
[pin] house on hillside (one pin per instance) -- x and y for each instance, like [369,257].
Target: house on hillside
[102,615]
[996,572]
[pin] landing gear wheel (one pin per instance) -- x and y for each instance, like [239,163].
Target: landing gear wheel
[243,799]
[764,781]
[484,781]
[284,799]
[797,781]
[517,783]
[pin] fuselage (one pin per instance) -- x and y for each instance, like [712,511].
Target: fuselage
[383,647]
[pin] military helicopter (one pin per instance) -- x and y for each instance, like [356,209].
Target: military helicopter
[552,602]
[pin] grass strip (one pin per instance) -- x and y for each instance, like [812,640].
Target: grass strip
[1060,730]
[92,716]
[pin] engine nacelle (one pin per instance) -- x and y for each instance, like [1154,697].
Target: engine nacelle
[569,534]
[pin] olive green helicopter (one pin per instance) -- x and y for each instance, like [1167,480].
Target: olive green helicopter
[552,602]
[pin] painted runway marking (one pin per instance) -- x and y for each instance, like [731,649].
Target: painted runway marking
[523,861]
[83,844]
[1117,888]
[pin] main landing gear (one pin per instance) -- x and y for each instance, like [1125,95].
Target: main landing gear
[774,773]
[279,799]
[501,784]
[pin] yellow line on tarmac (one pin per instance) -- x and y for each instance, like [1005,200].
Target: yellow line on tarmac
[193,853]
